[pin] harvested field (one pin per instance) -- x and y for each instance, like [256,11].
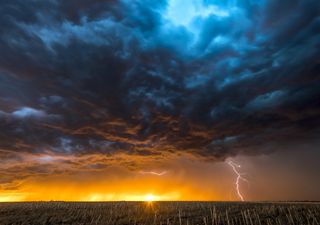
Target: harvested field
[206,213]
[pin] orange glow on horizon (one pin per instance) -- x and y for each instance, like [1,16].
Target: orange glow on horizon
[150,198]
[93,197]
[126,191]
[118,184]
[12,197]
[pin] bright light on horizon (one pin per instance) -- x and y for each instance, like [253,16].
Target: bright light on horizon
[148,197]
[151,198]
[11,197]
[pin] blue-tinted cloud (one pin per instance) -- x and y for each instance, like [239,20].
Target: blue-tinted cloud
[207,77]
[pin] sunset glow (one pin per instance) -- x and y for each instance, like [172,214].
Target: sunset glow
[151,198]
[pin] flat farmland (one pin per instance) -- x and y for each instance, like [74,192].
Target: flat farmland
[165,213]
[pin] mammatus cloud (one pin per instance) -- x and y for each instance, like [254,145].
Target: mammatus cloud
[211,79]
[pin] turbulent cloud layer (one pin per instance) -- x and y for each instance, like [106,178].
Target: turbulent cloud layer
[149,78]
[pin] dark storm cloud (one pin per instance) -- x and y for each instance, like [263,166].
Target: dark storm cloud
[211,78]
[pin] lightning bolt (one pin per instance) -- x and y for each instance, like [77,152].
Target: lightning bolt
[153,173]
[235,168]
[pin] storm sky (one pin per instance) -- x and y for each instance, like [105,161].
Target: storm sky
[92,92]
